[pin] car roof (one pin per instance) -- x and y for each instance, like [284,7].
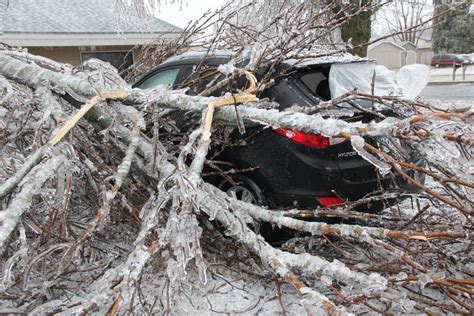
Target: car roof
[218,57]
[343,58]
[194,57]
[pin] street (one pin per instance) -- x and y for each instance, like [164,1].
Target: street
[460,91]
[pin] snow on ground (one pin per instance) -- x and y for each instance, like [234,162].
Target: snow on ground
[235,287]
[226,292]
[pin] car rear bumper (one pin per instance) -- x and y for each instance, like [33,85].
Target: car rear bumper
[293,175]
[347,176]
[354,191]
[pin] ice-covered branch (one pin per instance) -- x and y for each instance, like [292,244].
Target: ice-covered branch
[30,186]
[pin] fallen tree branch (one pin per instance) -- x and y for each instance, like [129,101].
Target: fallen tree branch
[31,185]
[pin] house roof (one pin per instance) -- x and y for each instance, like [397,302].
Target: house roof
[426,34]
[407,44]
[56,21]
[375,45]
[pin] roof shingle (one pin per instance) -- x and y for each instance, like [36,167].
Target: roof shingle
[76,16]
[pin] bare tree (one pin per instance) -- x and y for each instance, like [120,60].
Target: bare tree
[401,16]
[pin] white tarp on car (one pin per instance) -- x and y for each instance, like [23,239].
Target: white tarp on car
[407,83]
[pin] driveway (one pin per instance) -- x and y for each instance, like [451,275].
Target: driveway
[452,91]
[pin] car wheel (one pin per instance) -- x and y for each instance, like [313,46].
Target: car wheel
[437,65]
[244,189]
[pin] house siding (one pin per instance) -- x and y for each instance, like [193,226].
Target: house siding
[72,55]
[386,54]
[424,55]
[69,55]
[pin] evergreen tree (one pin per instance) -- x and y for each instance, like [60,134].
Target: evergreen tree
[453,32]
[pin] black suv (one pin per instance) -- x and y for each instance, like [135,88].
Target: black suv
[293,169]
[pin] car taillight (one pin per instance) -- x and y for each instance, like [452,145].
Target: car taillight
[329,201]
[309,139]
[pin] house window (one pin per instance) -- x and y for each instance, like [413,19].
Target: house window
[120,60]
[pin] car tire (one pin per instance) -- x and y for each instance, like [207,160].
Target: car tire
[437,65]
[274,235]
[244,189]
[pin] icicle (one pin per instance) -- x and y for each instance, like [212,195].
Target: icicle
[358,145]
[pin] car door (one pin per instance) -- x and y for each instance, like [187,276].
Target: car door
[442,60]
[451,59]
[169,75]
[201,77]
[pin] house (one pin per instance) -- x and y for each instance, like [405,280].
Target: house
[424,37]
[387,53]
[71,31]
[395,54]
[424,53]
[408,45]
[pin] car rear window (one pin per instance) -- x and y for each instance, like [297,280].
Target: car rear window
[318,83]
[329,81]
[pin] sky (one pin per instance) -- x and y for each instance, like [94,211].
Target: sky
[190,10]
